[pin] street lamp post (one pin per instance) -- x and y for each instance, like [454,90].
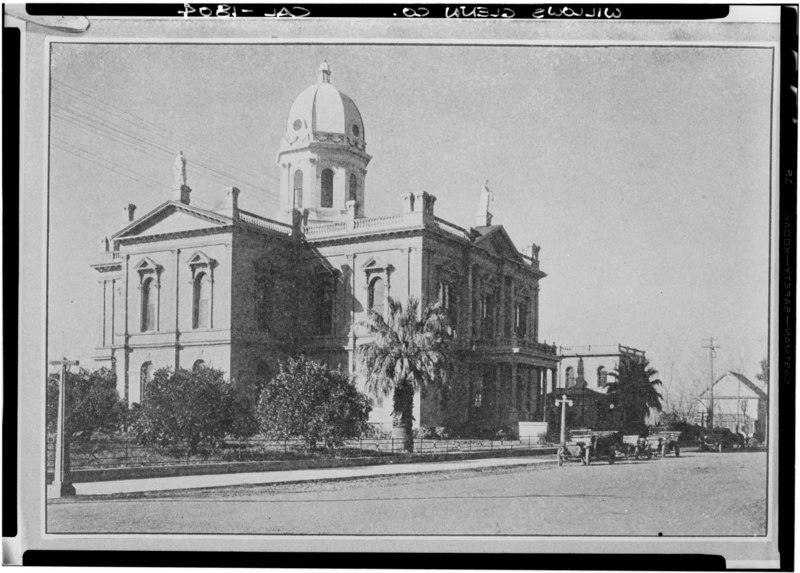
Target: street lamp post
[62,483]
[563,402]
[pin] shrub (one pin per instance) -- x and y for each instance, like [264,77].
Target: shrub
[195,407]
[309,401]
[92,404]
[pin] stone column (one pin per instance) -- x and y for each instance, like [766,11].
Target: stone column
[177,253]
[468,300]
[501,327]
[515,405]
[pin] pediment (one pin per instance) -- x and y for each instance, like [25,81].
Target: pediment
[200,258]
[147,265]
[497,242]
[373,264]
[170,218]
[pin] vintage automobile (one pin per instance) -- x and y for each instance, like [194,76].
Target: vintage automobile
[586,445]
[664,443]
[636,447]
[720,439]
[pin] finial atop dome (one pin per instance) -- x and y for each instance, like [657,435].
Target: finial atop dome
[324,72]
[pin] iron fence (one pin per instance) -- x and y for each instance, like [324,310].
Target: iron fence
[121,454]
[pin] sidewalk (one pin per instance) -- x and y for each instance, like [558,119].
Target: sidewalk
[295,476]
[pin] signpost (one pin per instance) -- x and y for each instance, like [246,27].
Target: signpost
[62,483]
[564,403]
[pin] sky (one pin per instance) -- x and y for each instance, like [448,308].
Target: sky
[642,172]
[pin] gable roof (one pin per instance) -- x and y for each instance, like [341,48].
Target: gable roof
[192,218]
[495,239]
[752,386]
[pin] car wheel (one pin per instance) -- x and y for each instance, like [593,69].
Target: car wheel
[560,456]
[664,450]
[587,457]
[719,447]
[677,451]
[612,457]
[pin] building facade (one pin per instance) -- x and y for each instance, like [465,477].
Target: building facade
[740,404]
[583,376]
[182,286]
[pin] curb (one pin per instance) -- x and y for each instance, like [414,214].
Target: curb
[539,463]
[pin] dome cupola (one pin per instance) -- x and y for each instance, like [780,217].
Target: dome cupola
[323,155]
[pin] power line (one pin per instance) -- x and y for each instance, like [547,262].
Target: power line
[112,166]
[100,128]
[158,128]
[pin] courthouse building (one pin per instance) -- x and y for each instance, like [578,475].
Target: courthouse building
[182,286]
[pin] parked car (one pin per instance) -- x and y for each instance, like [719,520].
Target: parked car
[720,439]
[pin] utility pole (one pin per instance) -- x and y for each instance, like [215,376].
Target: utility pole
[712,348]
[62,483]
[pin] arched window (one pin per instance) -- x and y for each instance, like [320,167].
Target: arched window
[145,377]
[521,319]
[148,321]
[602,377]
[326,195]
[201,302]
[376,295]
[298,189]
[352,190]
[570,377]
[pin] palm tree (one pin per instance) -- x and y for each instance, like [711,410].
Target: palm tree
[634,392]
[407,353]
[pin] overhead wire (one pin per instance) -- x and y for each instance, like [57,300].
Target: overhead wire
[100,127]
[138,121]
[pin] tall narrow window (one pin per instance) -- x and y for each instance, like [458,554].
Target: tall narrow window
[148,321]
[325,307]
[145,376]
[263,290]
[521,319]
[376,295]
[570,377]
[298,189]
[602,377]
[326,195]
[201,302]
[487,316]
[448,297]
[352,191]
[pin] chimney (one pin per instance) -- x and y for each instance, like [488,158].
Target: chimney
[424,202]
[231,206]
[130,210]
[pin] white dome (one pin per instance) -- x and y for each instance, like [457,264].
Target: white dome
[323,109]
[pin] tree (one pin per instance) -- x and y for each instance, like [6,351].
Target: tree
[308,400]
[407,354]
[634,393]
[92,403]
[194,407]
[764,375]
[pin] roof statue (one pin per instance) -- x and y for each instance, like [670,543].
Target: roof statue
[484,217]
[324,72]
[179,170]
